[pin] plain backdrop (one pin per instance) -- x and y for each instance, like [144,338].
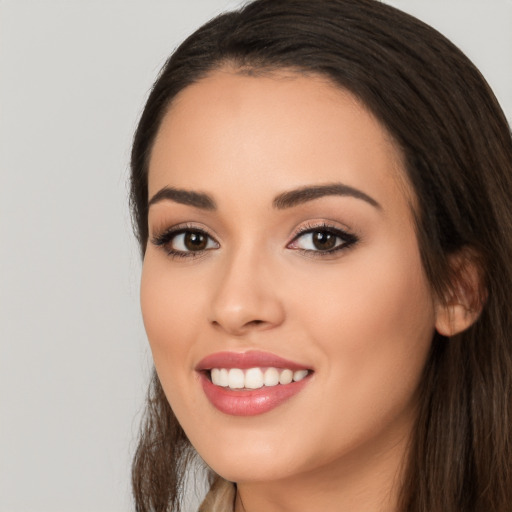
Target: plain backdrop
[74,361]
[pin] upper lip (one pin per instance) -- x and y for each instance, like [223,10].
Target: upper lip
[245,360]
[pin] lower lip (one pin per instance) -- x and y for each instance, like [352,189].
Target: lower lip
[250,402]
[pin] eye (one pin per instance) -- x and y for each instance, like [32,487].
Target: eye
[322,240]
[185,242]
[192,241]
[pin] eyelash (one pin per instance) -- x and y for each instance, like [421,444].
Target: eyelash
[347,239]
[165,238]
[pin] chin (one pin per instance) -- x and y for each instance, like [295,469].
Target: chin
[252,468]
[241,458]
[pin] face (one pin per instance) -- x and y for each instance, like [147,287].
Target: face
[283,265]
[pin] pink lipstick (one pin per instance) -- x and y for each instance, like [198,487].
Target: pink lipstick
[250,383]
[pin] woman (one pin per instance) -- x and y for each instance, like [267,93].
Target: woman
[321,194]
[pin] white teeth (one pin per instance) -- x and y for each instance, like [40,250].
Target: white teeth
[286,377]
[236,378]
[223,378]
[254,378]
[215,375]
[299,375]
[271,377]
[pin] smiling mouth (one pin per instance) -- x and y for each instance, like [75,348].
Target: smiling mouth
[251,383]
[238,379]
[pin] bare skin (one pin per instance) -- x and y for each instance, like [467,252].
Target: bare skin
[359,315]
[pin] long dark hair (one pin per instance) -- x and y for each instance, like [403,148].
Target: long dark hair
[457,151]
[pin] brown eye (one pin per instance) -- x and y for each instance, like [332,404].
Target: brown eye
[323,240]
[185,242]
[195,241]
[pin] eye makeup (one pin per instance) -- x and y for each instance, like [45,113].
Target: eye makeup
[322,239]
[313,239]
[185,241]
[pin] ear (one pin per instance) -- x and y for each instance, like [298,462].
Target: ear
[463,301]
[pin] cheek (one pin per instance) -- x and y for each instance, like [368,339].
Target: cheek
[395,336]
[169,311]
[374,322]
[368,295]
[387,308]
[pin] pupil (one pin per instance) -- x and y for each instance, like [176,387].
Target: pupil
[323,240]
[195,241]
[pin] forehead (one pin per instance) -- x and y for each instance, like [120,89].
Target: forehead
[274,128]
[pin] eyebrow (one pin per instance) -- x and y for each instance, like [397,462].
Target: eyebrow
[309,193]
[282,201]
[188,197]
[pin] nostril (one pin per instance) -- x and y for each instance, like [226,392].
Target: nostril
[254,323]
[242,328]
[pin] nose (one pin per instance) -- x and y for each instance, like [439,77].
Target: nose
[246,296]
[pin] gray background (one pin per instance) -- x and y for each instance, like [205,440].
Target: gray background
[73,356]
